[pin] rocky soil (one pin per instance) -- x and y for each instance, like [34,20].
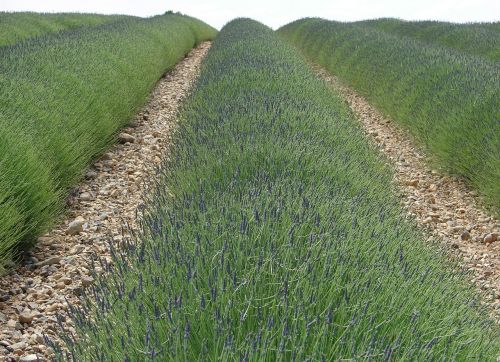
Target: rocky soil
[444,206]
[102,208]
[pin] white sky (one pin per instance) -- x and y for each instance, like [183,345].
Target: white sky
[275,13]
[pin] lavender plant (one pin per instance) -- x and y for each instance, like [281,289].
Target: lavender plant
[448,98]
[63,97]
[272,234]
[480,39]
[19,26]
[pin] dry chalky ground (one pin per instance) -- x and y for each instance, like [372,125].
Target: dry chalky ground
[102,207]
[443,205]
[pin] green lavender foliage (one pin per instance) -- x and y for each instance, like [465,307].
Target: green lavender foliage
[482,39]
[272,235]
[63,97]
[15,27]
[449,100]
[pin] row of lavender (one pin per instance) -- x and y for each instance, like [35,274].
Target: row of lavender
[438,82]
[63,98]
[272,235]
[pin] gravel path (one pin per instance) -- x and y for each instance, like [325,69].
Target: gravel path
[102,207]
[446,207]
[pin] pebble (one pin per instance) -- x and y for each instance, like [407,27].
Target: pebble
[26,317]
[489,238]
[17,347]
[77,249]
[76,226]
[85,196]
[465,235]
[30,358]
[107,156]
[427,220]
[13,324]
[38,338]
[90,174]
[66,281]
[104,215]
[52,308]
[126,138]
[134,124]
[86,281]
[49,261]
[413,183]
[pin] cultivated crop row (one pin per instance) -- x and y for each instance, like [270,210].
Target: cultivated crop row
[482,39]
[15,27]
[449,100]
[272,234]
[62,100]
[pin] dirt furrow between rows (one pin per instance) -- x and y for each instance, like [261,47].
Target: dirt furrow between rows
[444,206]
[102,208]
